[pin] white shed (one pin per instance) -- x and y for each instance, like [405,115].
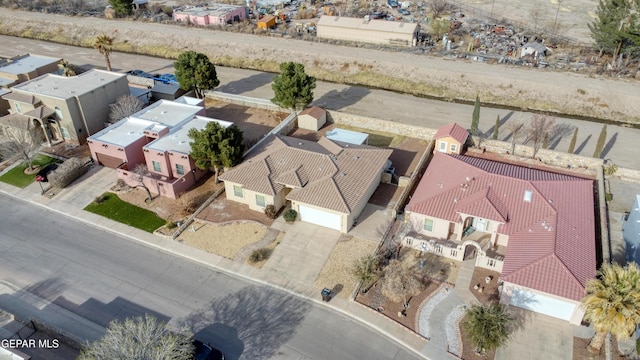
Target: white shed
[312,118]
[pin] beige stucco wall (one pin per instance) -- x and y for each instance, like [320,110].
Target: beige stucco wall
[248,198]
[448,141]
[309,122]
[364,35]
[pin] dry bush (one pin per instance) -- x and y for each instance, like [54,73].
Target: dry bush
[67,172]
[305,14]
[190,202]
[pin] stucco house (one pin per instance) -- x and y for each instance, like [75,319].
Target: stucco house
[156,136]
[328,183]
[536,228]
[213,14]
[450,139]
[631,232]
[66,108]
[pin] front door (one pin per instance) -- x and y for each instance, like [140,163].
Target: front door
[480,224]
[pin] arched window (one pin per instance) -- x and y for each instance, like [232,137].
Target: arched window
[58,113]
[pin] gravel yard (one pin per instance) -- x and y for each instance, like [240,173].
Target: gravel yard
[226,240]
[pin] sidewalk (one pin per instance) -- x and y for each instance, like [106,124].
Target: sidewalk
[70,201]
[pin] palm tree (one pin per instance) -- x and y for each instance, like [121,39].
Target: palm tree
[104,44]
[365,270]
[612,303]
[488,325]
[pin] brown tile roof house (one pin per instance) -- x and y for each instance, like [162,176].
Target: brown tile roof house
[337,178]
[546,220]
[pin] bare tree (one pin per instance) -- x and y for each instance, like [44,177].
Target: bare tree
[67,68]
[401,281]
[22,141]
[541,126]
[139,173]
[515,127]
[438,7]
[538,16]
[141,338]
[125,106]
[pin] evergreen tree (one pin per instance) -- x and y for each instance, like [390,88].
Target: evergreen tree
[616,27]
[293,88]
[572,144]
[545,141]
[496,128]
[195,71]
[475,119]
[216,146]
[122,7]
[488,326]
[600,144]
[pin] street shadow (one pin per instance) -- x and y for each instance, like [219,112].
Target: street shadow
[104,313]
[560,132]
[48,289]
[582,145]
[262,320]
[503,120]
[247,84]
[336,100]
[609,145]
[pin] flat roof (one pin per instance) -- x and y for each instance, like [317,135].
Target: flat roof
[23,64]
[65,87]
[210,10]
[178,139]
[124,132]
[347,136]
[167,112]
[400,27]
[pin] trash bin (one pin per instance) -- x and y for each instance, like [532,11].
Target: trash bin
[326,294]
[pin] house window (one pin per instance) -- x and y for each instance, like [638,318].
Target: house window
[179,169]
[453,148]
[156,166]
[237,191]
[18,107]
[443,146]
[58,113]
[260,200]
[428,225]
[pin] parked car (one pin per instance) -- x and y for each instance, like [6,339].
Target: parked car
[139,73]
[404,12]
[167,78]
[206,352]
[378,15]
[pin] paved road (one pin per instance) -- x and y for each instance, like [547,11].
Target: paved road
[359,100]
[67,264]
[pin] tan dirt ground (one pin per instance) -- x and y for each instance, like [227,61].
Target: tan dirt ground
[336,272]
[563,92]
[224,240]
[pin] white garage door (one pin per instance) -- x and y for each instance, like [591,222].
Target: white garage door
[542,304]
[320,217]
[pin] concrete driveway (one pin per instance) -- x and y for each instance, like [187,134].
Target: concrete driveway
[302,252]
[372,222]
[538,337]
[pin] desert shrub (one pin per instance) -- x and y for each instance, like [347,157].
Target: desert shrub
[259,255]
[100,199]
[610,169]
[171,225]
[67,172]
[271,211]
[608,197]
[290,215]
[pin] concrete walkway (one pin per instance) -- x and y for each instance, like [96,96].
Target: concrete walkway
[70,201]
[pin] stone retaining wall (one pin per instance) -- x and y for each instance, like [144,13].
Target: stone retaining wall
[392,127]
[244,101]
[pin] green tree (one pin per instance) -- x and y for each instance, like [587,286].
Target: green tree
[216,146]
[195,71]
[496,128]
[488,325]
[143,338]
[104,45]
[600,144]
[574,139]
[366,271]
[616,27]
[612,303]
[122,7]
[293,88]
[475,119]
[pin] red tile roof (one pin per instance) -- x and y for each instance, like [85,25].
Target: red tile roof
[326,174]
[552,242]
[453,130]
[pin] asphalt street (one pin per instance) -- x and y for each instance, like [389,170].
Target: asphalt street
[358,100]
[101,277]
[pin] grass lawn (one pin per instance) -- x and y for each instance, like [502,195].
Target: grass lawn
[121,211]
[377,138]
[17,177]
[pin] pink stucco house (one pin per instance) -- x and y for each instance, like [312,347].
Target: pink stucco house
[214,14]
[536,228]
[157,137]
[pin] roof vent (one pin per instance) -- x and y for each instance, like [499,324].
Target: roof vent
[528,194]
[299,144]
[344,174]
[131,133]
[357,157]
[181,142]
